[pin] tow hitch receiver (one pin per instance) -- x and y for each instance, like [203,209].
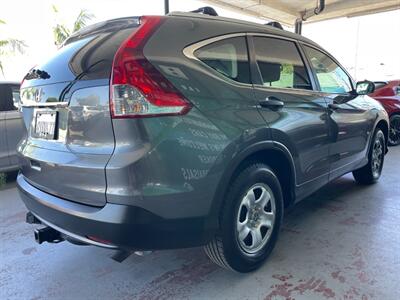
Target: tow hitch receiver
[48,234]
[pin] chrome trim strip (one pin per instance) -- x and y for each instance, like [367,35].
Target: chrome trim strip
[288,90]
[189,53]
[46,104]
[75,236]
[189,50]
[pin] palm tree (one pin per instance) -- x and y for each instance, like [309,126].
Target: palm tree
[62,32]
[10,46]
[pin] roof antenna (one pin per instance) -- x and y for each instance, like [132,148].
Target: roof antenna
[166,7]
[207,10]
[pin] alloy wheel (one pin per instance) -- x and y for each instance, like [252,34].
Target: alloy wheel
[394,134]
[256,218]
[377,157]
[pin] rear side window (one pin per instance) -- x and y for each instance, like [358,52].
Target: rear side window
[280,64]
[331,77]
[228,57]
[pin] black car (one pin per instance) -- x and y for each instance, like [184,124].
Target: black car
[186,130]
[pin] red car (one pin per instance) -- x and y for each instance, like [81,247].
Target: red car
[388,94]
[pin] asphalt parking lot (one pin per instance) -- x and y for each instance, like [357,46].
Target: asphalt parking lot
[341,243]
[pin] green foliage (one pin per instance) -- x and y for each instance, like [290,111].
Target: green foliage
[287,68]
[10,46]
[82,19]
[62,32]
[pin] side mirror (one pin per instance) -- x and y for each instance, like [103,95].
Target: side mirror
[365,87]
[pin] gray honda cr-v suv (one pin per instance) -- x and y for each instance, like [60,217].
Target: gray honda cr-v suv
[186,130]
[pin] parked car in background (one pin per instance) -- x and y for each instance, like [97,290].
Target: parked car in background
[11,127]
[174,131]
[388,94]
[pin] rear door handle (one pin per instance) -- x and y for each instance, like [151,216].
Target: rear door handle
[333,106]
[272,102]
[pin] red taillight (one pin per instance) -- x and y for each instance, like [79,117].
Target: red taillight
[138,89]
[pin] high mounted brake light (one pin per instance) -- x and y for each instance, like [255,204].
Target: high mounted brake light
[138,89]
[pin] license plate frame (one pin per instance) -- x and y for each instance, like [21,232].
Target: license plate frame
[45,125]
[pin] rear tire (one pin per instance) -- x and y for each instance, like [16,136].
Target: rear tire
[371,172]
[394,132]
[253,207]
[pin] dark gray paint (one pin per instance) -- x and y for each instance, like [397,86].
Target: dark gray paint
[177,167]
[75,161]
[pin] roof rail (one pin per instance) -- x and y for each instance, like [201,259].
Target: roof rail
[275,24]
[207,10]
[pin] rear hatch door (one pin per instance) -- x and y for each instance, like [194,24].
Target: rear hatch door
[65,107]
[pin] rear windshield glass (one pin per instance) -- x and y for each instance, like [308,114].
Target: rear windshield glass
[88,55]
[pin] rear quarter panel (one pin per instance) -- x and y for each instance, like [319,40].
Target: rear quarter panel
[181,159]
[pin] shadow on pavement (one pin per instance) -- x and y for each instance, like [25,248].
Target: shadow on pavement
[8,180]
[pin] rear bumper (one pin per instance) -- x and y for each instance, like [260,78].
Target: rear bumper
[117,226]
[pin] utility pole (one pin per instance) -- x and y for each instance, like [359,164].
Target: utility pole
[166,6]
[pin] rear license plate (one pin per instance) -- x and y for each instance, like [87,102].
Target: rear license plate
[45,125]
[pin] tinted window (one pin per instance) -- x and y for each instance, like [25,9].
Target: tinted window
[228,57]
[331,77]
[379,84]
[280,64]
[8,95]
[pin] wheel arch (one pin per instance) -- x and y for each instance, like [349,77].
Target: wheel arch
[384,126]
[393,114]
[275,155]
